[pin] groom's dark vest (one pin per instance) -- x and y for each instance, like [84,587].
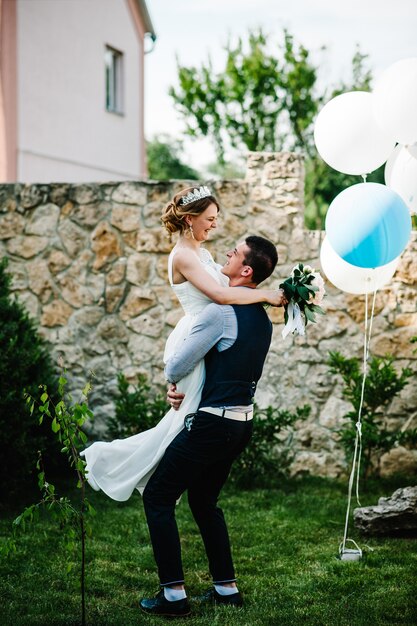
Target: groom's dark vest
[232,375]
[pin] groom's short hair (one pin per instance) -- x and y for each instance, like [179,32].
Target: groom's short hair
[262,257]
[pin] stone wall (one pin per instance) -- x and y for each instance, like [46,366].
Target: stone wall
[89,263]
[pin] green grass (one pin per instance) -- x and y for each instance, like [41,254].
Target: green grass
[285,547]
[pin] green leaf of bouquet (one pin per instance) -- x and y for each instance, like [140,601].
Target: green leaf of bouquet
[317,309]
[303,292]
[309,314]
[288,288]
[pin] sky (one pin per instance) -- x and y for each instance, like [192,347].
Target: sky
[193,30]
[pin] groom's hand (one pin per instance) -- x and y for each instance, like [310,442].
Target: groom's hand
[278,298]
[174,397]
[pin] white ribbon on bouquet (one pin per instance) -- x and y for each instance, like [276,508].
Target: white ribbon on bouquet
[295,323]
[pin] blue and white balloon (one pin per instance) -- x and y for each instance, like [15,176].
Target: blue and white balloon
[350,278]
[368,225]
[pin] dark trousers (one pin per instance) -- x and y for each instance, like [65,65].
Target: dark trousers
[197,460]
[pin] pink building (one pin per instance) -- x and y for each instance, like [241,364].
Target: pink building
[72,89]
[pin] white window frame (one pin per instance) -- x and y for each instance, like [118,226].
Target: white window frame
[114,79]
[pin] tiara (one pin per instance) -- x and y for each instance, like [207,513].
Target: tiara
[195,194]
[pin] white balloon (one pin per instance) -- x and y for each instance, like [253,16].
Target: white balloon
[350,278]
[347,136]
[401,174]
[395,101]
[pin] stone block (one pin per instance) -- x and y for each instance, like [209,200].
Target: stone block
[75,294]
[59,193]
[325,464]
[125,218]
[333,412]
[58,261]
[398,460]
[112,329]
[73,238]
[117,272]
[28,246]
[85,194]
[151,214]
[143,349]
[396,515]
[11,225]
[19,275]
[30,303]
[72,358]
[130,193]
[32,195]
[150,323]
[40,280]
[88,316]
[139,267]
[43,221]
[232,195]
[137,301]
[113,297]
[158,192]
[89,215]
[56,313]
[105,245]
[407,268]
[152,240]
[397,342]
[80,268]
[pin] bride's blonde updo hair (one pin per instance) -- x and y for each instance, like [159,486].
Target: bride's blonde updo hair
[174,214]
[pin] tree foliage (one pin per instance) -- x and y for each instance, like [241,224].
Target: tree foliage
[266,98]
[382,384]
[24,365]
[137,409]
[164,162]
[265,462]
[66,420]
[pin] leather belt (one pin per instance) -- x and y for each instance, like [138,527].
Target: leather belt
[240,416]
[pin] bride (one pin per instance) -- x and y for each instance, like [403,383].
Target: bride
[120,466]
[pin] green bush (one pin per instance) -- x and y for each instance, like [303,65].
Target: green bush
[24,366]
[136,409]
[268,456]
[382,384]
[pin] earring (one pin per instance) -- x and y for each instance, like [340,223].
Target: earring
[190,231]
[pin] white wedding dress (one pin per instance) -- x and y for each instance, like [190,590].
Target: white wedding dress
[120,466]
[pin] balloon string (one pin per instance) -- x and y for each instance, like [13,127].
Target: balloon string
[358,438]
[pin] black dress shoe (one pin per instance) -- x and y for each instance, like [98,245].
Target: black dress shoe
[159,605]
[212,597]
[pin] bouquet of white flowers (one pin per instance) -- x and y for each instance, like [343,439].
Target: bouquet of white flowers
[304,290]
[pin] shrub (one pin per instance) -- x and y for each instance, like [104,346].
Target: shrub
[24,365]
[382,384]
[269,454]
[66,420]
[136,409]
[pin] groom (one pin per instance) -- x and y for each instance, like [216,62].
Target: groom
[234,340]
